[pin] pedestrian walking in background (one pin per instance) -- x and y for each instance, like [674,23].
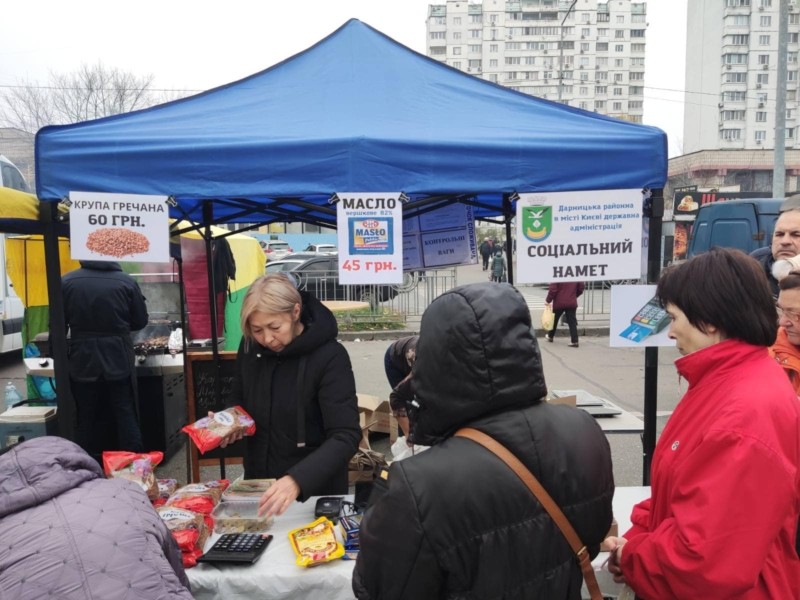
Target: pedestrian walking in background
[564,297]
[498,266]
[486,252]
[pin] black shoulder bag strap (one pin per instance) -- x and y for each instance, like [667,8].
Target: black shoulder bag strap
[528,478]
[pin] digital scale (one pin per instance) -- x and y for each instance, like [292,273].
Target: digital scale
[649,320]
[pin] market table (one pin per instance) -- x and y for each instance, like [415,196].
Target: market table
[276,575]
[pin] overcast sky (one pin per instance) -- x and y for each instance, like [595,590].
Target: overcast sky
[197,45]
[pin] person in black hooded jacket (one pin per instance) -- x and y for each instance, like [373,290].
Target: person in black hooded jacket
[297,383]
[455,521]
[102,306]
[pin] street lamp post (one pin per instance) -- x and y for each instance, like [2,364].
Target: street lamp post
[561,49]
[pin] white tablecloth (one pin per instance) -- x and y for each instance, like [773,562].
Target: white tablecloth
[276,576]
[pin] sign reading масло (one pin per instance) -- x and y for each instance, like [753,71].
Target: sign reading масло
[370,232]
[119,227]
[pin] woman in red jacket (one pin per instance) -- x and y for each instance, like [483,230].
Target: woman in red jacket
[722,518]
[564,297]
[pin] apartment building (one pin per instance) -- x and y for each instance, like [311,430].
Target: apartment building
[586,54]
[731,75]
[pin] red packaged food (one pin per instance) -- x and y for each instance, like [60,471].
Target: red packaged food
[199,497]
[207,433]
[136,467]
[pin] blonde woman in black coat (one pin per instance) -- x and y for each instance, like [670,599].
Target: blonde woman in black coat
[297,382]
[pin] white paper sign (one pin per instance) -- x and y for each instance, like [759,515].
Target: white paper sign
[579,236]
[636,318]
[370,232]
[119,227]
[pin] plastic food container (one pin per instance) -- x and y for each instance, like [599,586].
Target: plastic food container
[246,489]
[239,517]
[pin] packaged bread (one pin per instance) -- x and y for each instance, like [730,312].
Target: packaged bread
[136,467]
[207,433]
[315,543]
[189,530]
[199,497]
[166,487]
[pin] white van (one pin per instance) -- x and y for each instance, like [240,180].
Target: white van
[11,309]
[11,176]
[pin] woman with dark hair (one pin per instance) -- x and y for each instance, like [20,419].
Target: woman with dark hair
[722,518]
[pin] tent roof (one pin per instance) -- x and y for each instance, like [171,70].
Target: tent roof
[356,112]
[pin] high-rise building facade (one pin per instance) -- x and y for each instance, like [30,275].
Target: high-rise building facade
[585,53]
[731,75]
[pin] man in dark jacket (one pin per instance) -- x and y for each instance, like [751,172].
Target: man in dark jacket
[70,533]
[785,244]
[455,521]
[102,306]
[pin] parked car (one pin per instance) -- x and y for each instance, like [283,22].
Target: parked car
[322,248]
[275,249]
[320,276]
[11,176]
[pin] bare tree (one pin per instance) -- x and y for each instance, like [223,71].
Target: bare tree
[91,92]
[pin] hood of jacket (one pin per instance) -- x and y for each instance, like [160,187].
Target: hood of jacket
[320,327]
[100,265]
[476,355]
[41,469]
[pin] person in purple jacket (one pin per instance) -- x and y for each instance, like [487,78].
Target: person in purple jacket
[69,533]
[564,297]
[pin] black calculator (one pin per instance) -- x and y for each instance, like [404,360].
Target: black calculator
[237,548]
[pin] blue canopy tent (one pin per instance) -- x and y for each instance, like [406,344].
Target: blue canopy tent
[356,112]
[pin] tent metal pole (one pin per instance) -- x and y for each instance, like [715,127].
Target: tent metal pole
[58,329]
[654,211]
[507,215]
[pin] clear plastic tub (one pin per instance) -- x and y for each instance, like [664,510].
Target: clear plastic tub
[246,489]
[239,517]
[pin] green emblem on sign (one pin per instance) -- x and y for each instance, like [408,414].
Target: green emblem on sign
[537,222]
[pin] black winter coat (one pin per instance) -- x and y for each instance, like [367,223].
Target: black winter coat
[102,306]
[456,522]
[326,416]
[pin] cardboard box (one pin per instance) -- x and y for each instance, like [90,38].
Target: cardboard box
[365,428]
[377,410]
[570,400]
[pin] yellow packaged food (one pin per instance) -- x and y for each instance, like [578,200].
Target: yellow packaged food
[316,543]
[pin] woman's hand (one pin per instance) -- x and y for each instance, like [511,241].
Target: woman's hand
[231,438]
[615,558]
[278,497]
